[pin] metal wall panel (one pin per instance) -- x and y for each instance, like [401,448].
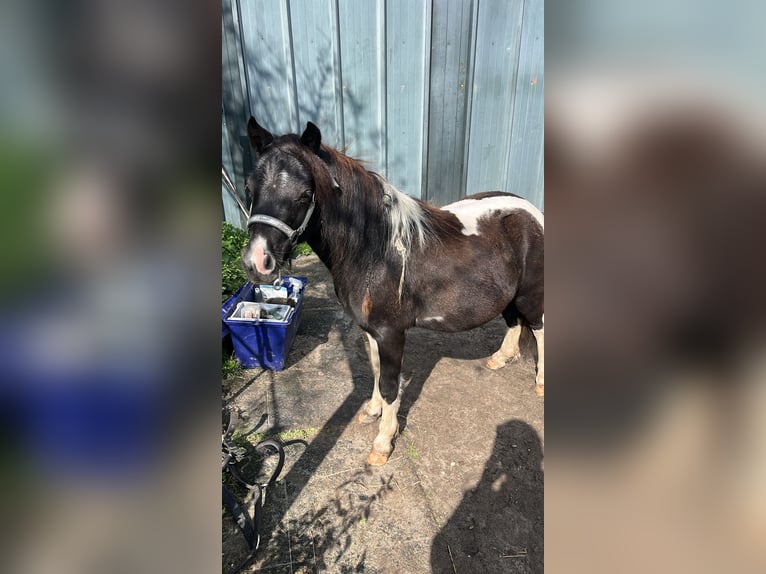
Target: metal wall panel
[406,80]
[525,162]
[268,57]
[451,34]
[317,67]
[493,93]
[231,211]
[235,107]
[445,97]
[362,56]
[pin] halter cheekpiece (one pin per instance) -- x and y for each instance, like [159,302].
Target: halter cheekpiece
[292,234]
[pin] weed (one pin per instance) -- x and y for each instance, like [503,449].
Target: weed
[284,436]
[230,367]
[233,241]
[303,249]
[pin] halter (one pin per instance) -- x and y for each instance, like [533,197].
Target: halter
[292,234]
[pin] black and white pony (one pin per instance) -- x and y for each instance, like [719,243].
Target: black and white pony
[396,262]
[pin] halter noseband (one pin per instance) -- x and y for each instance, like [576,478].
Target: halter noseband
[292,234]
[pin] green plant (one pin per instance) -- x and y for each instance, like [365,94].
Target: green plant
[303,249]
[412,451]
[230,367]
[285,435]
[233,241]
[26,174]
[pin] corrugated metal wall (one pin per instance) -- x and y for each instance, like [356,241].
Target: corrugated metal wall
[445,97]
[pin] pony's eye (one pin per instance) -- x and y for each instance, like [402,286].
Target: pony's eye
[305,196]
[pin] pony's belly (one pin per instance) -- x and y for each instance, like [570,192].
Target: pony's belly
[453,322]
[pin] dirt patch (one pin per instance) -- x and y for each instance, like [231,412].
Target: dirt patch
[463,490]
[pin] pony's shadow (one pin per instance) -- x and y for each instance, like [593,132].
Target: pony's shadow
[499,525]
[425,348]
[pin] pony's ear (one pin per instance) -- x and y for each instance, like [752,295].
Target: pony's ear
[312,137]
[259,137]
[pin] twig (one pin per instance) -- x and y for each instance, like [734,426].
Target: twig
[451,560]
[339,472]
[289,544]
[314,550]
[520,555]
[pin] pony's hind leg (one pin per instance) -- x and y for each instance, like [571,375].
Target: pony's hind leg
[531,310]
[372,408]
[509,350]
[540,379]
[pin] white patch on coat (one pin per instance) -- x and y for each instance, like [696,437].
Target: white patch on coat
[407,217]
[471,211]
[509,350]
[540,338]
[408,222]
[387,428]
[277,180]
[374,406]
[436,318]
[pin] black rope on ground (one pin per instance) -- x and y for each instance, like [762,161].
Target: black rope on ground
[250,526]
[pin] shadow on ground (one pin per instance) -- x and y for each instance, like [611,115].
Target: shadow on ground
[498,527]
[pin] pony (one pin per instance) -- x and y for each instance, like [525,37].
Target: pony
[396,262]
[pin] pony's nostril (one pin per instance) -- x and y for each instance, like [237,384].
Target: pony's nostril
[261,259]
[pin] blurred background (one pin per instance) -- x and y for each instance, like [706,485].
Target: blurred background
[655,197]
[110,258]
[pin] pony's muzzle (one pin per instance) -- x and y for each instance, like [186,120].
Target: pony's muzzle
[258,259]
[263,261]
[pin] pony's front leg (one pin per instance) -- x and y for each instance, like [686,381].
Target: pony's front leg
[372,408]
[390,350]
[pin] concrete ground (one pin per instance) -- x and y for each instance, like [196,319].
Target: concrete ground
[463,490]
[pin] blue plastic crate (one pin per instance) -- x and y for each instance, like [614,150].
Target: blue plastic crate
[240,294]
[259,343]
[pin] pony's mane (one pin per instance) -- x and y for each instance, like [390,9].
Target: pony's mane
[407,216]
[369,213]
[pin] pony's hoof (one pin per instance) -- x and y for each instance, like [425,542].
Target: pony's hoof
[377,458]
[540,390]
[365,419]
[493,364]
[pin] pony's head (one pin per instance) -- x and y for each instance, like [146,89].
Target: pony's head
[283,189]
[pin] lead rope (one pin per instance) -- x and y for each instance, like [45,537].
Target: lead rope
[249,525]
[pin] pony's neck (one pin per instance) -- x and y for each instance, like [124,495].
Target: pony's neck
[315,240]
[350,231]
